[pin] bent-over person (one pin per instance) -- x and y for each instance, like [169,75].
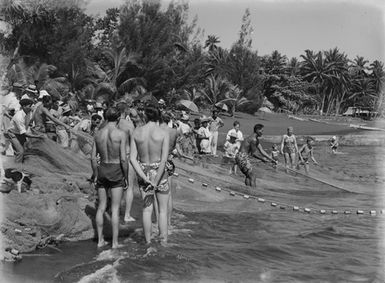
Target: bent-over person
[149,152]
[249,147]
[110,144]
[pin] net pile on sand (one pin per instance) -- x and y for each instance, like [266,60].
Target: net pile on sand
[48,155]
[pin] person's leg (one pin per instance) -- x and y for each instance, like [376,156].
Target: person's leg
[163,199]
[214,143]
[169,204]
[116,197]
[292,160]
[147,223]
[102,204]
[307,168]
[287,160]
[130,193]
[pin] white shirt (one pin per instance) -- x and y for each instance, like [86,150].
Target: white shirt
[184,128]
[19,122]
[239,135]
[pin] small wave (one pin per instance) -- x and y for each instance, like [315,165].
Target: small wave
[107,273]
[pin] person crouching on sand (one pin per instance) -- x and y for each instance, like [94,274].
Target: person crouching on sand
[110,144]
[306,153]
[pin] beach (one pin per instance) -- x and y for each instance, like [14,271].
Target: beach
[224,231]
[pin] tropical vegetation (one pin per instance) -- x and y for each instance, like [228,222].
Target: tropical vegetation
[143,48]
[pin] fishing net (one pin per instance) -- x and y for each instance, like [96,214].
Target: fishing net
[48,155]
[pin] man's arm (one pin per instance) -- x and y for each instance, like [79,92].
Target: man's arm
[312,157]
[123,155]
[300,152]
[221,124]
[52,118]
[94,164]
[263,152]
[163,160]
[134,160]
[282,143]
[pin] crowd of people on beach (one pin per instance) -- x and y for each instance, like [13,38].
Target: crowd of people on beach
[131,144]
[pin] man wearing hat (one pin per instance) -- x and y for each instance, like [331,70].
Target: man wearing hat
[99,109]
[32,91]
[17,133]
[161,105]
[205,135]
[231,148]
[215,124]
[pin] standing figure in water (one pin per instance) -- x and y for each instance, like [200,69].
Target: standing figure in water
[306,153]
[110,144]
[334,144]
[249,147]
[149,152]
[289,148]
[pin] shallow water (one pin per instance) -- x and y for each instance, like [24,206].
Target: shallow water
[217,238]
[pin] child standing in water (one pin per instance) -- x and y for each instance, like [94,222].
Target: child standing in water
[334,144]
[231,149]
[305,153]
[274,155]
[289,148]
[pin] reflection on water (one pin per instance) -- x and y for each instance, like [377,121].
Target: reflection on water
[236,240]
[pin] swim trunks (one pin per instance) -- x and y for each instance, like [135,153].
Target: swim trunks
[148,191]
[110,175]
[243,162]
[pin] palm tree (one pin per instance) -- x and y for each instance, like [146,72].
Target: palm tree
[363,90]
[316,70]
[293,67]
[116,75]
[378,77]
[211,42]
[359,67]
[215,89]
[234,96]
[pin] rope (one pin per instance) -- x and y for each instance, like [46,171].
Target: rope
[282,205]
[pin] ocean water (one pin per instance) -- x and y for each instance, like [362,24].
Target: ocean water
[221,238]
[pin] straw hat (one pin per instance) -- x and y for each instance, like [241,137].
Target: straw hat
[204,119]
[25,99]
[184,117]
[32,89]
[66,109]
[43,93]
[17,85]
[98,105]
[233,135]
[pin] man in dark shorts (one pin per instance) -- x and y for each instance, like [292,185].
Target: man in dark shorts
[110,144]
[149,153]
[249,147]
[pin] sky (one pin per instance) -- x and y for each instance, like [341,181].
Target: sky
[290,26]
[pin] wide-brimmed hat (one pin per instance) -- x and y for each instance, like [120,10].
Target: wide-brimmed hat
[98,105]
[233,135]
[66,108]
[184,117]
[43,93]
[204,119]
[32,89]
[17,85]
[25,99]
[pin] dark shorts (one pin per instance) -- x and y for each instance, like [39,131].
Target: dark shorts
[110,175]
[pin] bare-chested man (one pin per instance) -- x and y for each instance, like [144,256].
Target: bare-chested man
[249,147]
[127,126]
[110,143]
[149,152]
[42,115]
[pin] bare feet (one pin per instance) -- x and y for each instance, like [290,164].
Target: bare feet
[116,246]
[129,219]
[102,243]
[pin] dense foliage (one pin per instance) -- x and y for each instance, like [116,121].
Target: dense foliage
[142,48]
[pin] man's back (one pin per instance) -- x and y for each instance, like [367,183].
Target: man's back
[249,145]
[127,127]
[149,142]
[108,142]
